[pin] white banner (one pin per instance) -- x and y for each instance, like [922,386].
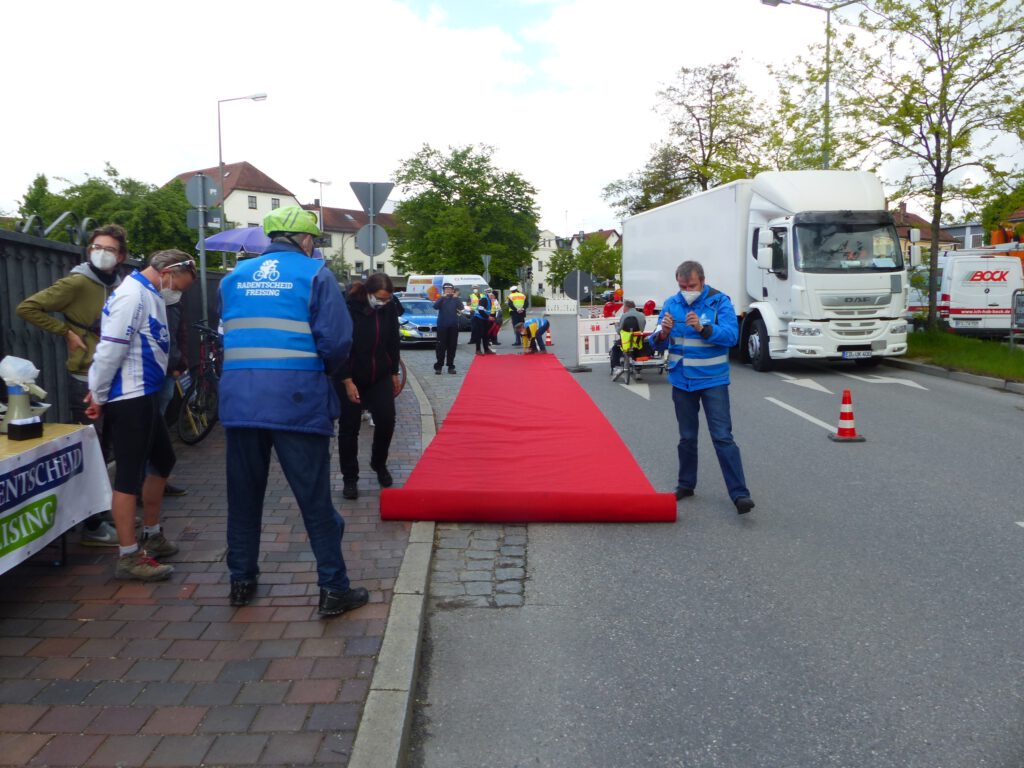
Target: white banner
[48,486]
[595,337]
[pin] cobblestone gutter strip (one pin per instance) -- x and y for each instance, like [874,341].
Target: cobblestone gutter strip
[384,728]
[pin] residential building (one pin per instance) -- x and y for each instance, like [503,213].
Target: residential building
[907,221]
[547,243]
[249,194]
[340,226]
[967,235]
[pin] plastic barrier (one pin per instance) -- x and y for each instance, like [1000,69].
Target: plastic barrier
[595,337]
[560,307]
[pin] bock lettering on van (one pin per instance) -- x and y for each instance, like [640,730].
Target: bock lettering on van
[989,276]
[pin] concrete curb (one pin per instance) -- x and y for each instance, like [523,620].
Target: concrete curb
[384,728]
[968,378]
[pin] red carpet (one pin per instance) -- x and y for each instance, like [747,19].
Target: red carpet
[523,443]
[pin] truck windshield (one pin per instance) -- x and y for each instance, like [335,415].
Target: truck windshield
[850,245]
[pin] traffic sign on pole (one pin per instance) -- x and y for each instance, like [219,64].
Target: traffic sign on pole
[371,239]
[372,194]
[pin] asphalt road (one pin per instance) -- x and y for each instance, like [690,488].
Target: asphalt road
[866,613]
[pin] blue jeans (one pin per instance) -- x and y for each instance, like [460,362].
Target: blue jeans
[716,411]
[305,459]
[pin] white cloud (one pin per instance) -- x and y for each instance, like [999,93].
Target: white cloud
[567,99]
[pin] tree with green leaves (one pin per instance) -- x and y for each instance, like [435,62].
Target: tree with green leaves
[561,263]
[716,129]
[936,88]
[459,207]
[154,217]
[593,255]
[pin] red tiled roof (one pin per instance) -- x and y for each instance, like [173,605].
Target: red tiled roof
[242,176]
[348,219]
[1017,215]
[907,221]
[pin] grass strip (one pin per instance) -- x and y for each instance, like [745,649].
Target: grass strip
[982,357]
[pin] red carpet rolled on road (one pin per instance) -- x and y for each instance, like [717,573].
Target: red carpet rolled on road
[523,443]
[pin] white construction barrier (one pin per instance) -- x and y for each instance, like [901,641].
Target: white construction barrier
[560,307]
[595,337]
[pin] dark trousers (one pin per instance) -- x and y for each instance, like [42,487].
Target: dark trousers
[306,461]
[447,342]
[379,399]
[515,318]
[479,332]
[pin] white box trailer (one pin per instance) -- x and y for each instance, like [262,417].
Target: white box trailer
[810,259]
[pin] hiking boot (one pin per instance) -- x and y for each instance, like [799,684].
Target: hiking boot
[175,490]
[682,493]
[157,545]
[242,592]
[743,505]
[141,567]
[105,535]
[350,490]
[437,371]
[335,603]
[451,369]
[490,352]
[383,476]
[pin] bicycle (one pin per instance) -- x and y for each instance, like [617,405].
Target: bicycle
[200,391]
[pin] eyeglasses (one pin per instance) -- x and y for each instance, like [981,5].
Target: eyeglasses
[104,248]
[189,265]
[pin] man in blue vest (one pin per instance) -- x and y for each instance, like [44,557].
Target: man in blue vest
[698,326]
[285,326]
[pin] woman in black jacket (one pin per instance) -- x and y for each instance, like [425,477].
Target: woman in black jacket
[369,379]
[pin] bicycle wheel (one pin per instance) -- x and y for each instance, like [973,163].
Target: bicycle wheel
[198,411]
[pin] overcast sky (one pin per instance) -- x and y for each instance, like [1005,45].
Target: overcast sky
[564,89]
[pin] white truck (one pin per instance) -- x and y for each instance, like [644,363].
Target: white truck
[976,288]
[810,259]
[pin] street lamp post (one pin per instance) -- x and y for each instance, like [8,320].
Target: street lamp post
[826,149]
[321,201]
[220,152]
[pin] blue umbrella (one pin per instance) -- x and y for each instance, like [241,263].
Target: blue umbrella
[249,239]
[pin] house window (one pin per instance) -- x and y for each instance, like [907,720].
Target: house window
[275,203]
[252,202]
[359,266]
[381,266]
[540,287]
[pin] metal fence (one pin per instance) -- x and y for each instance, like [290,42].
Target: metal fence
[29,264]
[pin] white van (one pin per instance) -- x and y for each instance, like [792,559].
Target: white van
[430,285]
[975,292]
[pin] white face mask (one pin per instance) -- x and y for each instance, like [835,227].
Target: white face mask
[169,294]
[375,303]
[104,261]
[691,296]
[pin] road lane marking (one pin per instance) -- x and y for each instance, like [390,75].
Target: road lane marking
[884,380]
[803,415]
[637,389]
[808,383]
[1021,525]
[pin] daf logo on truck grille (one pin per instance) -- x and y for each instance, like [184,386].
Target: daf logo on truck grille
[878,300]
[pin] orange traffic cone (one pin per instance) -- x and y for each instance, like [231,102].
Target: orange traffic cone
[547,338]
[847,426]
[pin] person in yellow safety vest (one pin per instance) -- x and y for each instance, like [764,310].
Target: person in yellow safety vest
[532,333]
[474,298]
[516,302]
[495,326]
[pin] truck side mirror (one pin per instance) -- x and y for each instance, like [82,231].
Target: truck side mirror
[915,235]
[764,256]
[765,237]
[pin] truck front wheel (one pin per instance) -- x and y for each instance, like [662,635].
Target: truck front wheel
[757,347]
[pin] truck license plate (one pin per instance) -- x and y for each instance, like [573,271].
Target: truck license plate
[859,354]
[973,323]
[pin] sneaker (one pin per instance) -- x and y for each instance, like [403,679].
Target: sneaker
[683,493]
[490,352]
[157,545]
[242,592]
[437,371]
[383,476]
[350,490]
[617,374]
[105,535]
[142,567]
[335,603]
[451,369]
[743,505]
[174,490]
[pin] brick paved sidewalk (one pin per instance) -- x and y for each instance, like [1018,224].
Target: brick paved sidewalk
[98,672]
